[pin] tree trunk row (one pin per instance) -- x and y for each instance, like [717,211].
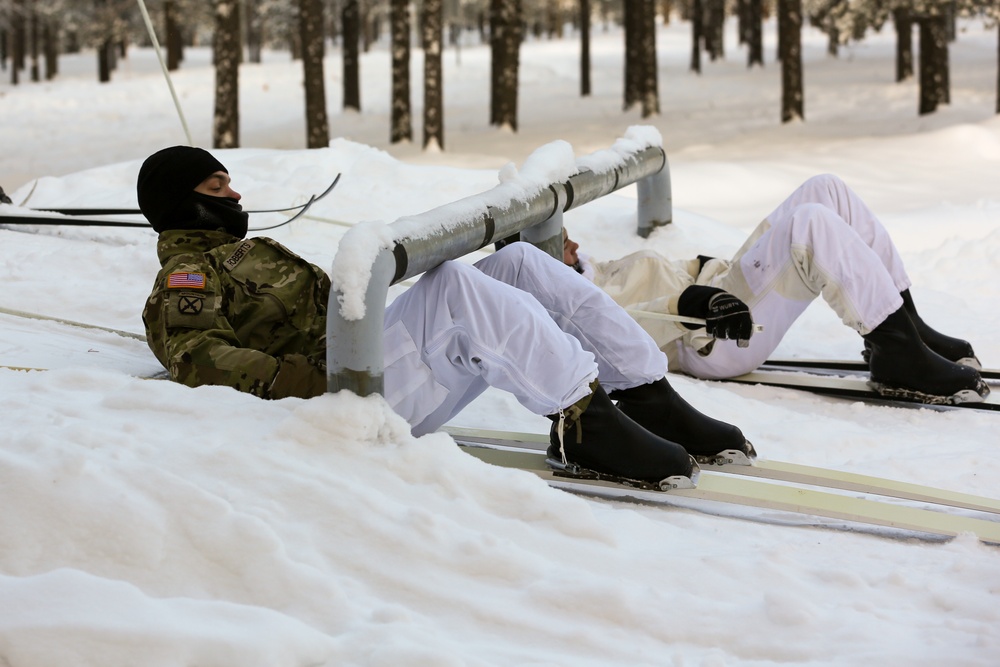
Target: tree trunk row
[29,35]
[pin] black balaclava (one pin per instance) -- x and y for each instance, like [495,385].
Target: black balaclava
[165,189]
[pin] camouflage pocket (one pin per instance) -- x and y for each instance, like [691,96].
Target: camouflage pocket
[189,309]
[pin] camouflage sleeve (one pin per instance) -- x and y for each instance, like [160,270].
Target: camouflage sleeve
[300,376]
[188,330]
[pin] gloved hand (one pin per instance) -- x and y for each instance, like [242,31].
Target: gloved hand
[299,376]
[725,316]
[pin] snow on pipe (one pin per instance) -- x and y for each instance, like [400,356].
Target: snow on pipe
[419,243]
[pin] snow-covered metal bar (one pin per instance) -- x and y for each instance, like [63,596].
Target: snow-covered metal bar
[374,256]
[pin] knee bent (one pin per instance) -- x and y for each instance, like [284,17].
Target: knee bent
[507,262]
[825,182]
[811,217]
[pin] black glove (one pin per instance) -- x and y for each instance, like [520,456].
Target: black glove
[725,316]
[4,199]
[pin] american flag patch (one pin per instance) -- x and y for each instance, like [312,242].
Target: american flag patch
[181,279]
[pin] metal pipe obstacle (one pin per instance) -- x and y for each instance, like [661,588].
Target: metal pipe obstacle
[420,243]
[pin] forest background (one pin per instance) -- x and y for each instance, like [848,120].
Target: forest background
[33,33]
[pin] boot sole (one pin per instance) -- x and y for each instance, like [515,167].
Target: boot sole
[977,395]
[574,471]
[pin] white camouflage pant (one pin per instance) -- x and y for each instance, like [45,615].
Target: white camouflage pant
[520,321]
[822,240]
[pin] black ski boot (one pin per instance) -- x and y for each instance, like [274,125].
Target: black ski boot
[660,409]
[902,366]
[592,439]
[952,349]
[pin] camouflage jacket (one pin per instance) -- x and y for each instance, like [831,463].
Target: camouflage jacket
[235,312]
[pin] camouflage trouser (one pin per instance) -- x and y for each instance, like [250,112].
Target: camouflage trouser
[519,321]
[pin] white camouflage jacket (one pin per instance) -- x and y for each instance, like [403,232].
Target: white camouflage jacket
[646,283]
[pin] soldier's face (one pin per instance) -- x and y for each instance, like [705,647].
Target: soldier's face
[569,250]
[218,185]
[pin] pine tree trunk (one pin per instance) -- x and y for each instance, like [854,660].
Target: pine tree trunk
[36,72]
[933,63]
[226,125]
[311,29]
[254,30]
[781,14]
[104,62]
[648,70]
[18,40]
[584,48]
[904,43]
[713,28]
[401,122]
[13,50]
[697,34]
[791,62]
[175,44]
[755,34]
[51,49]
[944,57]
[104,47]
[633,64]
[742,21]
[433,79]
[505,43]
[351,23]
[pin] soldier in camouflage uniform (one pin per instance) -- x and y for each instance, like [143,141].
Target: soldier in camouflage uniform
[228,310]
[281,302]
[251,314]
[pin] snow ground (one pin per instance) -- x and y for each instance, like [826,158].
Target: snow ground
[147,523]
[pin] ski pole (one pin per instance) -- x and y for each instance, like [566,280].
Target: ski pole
[163,66]
[677,318]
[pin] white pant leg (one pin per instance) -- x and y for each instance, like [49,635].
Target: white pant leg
[832,192]
[626,355]
[807,251]
[457,331]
